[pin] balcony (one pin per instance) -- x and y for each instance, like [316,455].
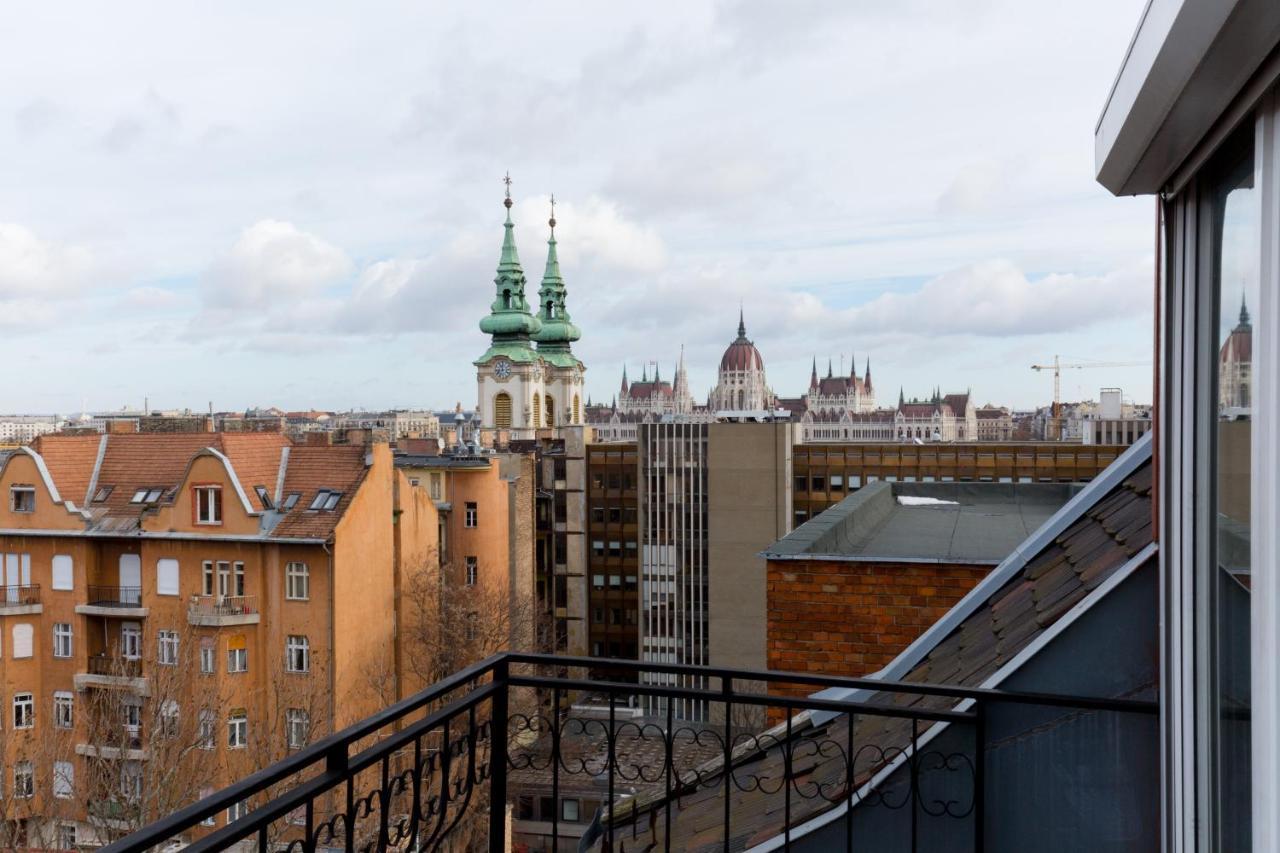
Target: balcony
[16,600]
[886,764]
[119,602]
[113,672]
[221,610]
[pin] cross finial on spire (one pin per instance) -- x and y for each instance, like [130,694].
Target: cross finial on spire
[552,220]
[506,179]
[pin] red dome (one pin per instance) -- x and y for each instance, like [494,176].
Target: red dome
[741,355]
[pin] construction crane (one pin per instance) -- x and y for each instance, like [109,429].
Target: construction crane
[1055,422]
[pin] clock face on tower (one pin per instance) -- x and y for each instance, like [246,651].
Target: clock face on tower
[502,369]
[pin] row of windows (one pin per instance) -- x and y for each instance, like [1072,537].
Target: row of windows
[24,780]
[614,514]
[613,480]
[614,549]
[615,581]
[219,577]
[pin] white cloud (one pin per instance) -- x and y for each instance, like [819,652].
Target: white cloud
[996,299]
[150,298]
[38,269]
[273,264]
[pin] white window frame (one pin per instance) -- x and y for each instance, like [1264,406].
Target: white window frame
[297,728]
[167,576]
[28,498]
[64,709]
[131,641]
[208,501]
[64,780]
[62,572]
[167,648]
[297,581]
[238,660]
[24,710]
[297,654]
[237,730]
[24,780]
[473,570]
[63,640]
[208,658]
[208,729]
[471,514]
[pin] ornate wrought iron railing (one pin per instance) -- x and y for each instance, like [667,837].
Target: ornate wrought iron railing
[425,773]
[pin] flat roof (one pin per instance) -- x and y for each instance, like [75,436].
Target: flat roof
[926,522]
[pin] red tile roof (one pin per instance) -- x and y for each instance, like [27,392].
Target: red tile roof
[70,460]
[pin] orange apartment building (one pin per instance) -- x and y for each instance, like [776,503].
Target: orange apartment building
[180,608]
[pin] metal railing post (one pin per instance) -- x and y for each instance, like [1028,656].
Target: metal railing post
[979,783]
[498,760]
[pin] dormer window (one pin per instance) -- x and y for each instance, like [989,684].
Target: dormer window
[325,500]
[208,500]
[22,498]
[264,496]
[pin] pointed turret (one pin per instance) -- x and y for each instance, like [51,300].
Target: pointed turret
[625,384]
[901,397]
[853,365]
[1244,314]
[644,373]
[866,377]
[742,326]
[813,377]
[509,320]
[655,372]
[829,373]
[557,332]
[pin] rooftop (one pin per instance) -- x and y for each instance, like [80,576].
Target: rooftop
[933,522]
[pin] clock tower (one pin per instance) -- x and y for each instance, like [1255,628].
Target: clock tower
[510,375]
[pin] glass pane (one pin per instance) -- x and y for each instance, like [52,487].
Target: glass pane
[1235,282]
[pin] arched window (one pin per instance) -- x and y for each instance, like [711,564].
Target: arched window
[502,411]
[577,409]
[537,411]
[551,411]
[506,299]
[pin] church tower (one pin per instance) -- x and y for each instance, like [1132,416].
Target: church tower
[562,380]
[510,376]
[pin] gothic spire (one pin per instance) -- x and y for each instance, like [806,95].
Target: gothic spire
[1244,311]
[625,386]
[829,373]
[813,376]
[742,326]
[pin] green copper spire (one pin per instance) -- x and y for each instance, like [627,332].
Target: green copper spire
[557,331]
[509,320]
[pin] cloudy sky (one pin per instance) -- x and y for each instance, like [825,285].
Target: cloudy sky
[282,204]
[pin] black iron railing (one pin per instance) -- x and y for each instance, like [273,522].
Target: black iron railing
[114,596]
[20,595]
[427,772]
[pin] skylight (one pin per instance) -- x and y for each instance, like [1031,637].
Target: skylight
[264,496]
[291,501]
[102,494]
[325,499]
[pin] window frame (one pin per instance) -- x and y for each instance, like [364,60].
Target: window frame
[28,493]
[207,504]
[24,710]
[297,574]
[299,646]
[60,637]
[64,709]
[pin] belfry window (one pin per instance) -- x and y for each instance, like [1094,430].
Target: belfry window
[506,299]
[502,411]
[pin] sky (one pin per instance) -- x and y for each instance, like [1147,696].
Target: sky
[300,204]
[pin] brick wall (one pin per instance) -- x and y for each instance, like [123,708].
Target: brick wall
[852,618]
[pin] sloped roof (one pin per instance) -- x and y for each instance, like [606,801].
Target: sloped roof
[647,390]
[959,403]
[132,461]
[1097,534]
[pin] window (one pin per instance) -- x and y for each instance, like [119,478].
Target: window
[67,836]
[64,781]
[63,576]
[471,571]
[62,639]
[210,820]
[102,494]
[131,641]
[206,586]
[237,578]
[64,709]
[146,495]
[290,501]
[22,498]
[297,581]
[208,501]
[597,547]
[206,655]
[169,719]
[297,657]
[237,730]
[325,500]
[298,726]
[207,723]
[237,654]
[131,711]
[237,810]
[24,780]
[264,497]
[437,487]
[472,630]
[597,581]
[168,651]
[24,711]
[22,640]
[470,518]
[569,810]
[166,576]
